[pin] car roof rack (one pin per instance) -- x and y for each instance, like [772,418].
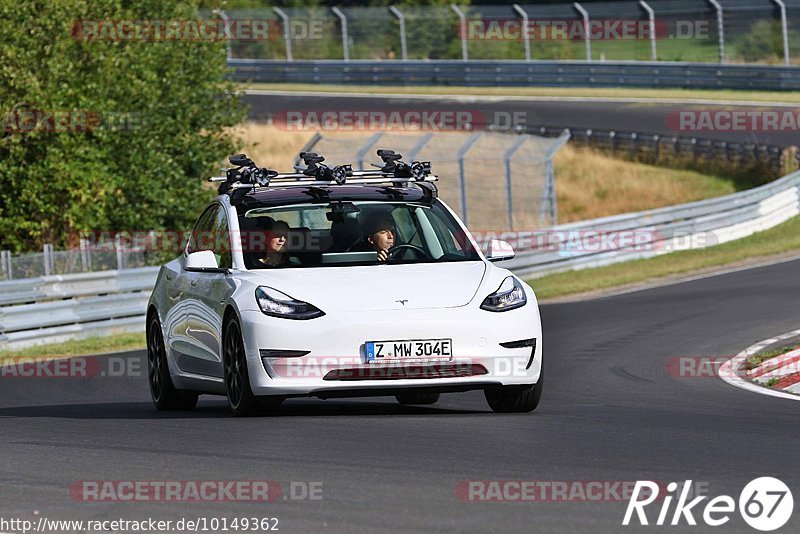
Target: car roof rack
[247,175]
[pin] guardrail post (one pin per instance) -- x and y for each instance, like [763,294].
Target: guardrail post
[526,34]
[5,259]
[227,22]
[785,30]
[47,258]
[509,193]
[462,20]
[652,16]
[720,29]
[401,20]
[657,149]
[287,38]
[588,33]
[462,178]
[345,35]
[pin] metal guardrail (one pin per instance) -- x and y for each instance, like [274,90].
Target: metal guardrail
[56,308]
[51,309]
[520,73]
[662,230]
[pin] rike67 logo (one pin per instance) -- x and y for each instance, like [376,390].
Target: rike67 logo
[765,504]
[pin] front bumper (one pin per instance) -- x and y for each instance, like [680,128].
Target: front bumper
[335,361]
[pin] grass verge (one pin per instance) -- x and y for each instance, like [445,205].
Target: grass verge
[757,359]
[781,239]
[590,184]
[80,347]
[655,94]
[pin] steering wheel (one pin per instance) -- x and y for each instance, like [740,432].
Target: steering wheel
[405,246]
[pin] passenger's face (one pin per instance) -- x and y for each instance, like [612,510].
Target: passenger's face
[383,239]
[277,242]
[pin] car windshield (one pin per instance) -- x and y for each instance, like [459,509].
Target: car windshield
[351,233]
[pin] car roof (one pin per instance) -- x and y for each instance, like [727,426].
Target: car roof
[282,196]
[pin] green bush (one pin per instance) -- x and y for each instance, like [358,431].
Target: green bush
[173,95]
[764,42]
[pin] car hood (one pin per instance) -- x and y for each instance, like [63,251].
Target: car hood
[381,287]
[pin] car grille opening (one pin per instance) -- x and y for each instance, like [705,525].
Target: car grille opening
[415,372]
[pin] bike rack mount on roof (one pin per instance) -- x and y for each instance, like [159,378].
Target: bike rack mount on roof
[246,174]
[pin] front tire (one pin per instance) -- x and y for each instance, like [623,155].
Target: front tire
[163,392]
[237,380]
[417,398]
[515,399]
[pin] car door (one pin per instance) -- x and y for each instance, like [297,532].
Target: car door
[206,295]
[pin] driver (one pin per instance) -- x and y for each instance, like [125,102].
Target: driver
[380,232]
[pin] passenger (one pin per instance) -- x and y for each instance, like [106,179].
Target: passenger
[380,232]
[275,254]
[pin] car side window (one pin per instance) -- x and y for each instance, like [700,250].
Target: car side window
[202,237]
[222,240]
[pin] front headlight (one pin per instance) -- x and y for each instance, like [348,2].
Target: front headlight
[509,295]
[276,304]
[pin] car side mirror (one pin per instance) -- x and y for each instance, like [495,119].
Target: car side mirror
[203,261]
[499,250]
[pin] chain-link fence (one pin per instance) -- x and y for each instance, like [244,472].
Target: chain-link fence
[735,31]
[494,181]
[87,258]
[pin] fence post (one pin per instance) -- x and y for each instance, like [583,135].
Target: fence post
[227,23]
[83,244]
[287,38]
[401,20]
[720,29]
[509,193]
[526,34]
[462,21]
[587,30]
[364,149]
[5,259]
[345,35]
[785,30]
[550,201]
[47,258]
[462,179]
[118,249]
[652,16]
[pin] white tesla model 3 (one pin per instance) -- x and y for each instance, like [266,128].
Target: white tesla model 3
[334,283]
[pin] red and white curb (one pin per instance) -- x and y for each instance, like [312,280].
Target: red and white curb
[733,371]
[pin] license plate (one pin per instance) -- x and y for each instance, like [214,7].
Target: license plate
[415,350]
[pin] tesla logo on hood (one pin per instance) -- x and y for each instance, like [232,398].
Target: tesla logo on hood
[403,302]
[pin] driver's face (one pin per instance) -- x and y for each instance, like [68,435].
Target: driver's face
[383,239]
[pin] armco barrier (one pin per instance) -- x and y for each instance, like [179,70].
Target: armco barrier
[51,309]
[56,308]
[715,221]
[520,73]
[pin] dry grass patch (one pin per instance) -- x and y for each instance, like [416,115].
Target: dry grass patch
[590,184]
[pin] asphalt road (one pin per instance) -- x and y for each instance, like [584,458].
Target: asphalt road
[610,412]
[620,116]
